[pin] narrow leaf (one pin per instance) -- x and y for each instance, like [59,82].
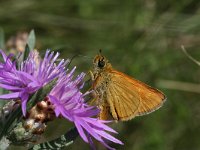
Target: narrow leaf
[61,142]
[26,52]
[31,40]
[30,44]
[13,116]
[2,40]
[40,95]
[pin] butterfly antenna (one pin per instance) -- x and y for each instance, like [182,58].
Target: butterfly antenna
[71,60]
[77,56]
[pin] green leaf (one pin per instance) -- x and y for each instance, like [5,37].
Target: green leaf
[61,142]
[30,44]
[2,103]
[2,40]
[26,52]
[9,122]
[31,40]
[40,95]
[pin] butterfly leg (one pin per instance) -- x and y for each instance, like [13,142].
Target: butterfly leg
[91,75]
[94,98]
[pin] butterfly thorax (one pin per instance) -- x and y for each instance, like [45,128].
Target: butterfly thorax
[101,77]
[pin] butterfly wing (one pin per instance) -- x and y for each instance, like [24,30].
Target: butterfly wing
[122,98]
[133,96]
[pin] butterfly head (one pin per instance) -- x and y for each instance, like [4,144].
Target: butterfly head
[101,63]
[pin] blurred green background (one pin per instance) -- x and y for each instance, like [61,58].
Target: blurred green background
[141,38]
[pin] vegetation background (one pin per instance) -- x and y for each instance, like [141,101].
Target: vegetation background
[141,38]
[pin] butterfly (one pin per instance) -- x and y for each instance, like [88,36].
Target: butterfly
[119,96]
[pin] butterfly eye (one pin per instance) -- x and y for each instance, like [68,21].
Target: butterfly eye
[101,64]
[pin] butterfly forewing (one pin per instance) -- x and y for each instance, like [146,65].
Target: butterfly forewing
[124,99]
[150,98]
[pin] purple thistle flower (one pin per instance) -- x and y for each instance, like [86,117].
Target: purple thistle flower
[66,97]
[31,75]
[69,103]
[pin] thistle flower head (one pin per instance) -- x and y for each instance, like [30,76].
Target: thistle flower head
[66,97]
[31,75]
[69,103]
